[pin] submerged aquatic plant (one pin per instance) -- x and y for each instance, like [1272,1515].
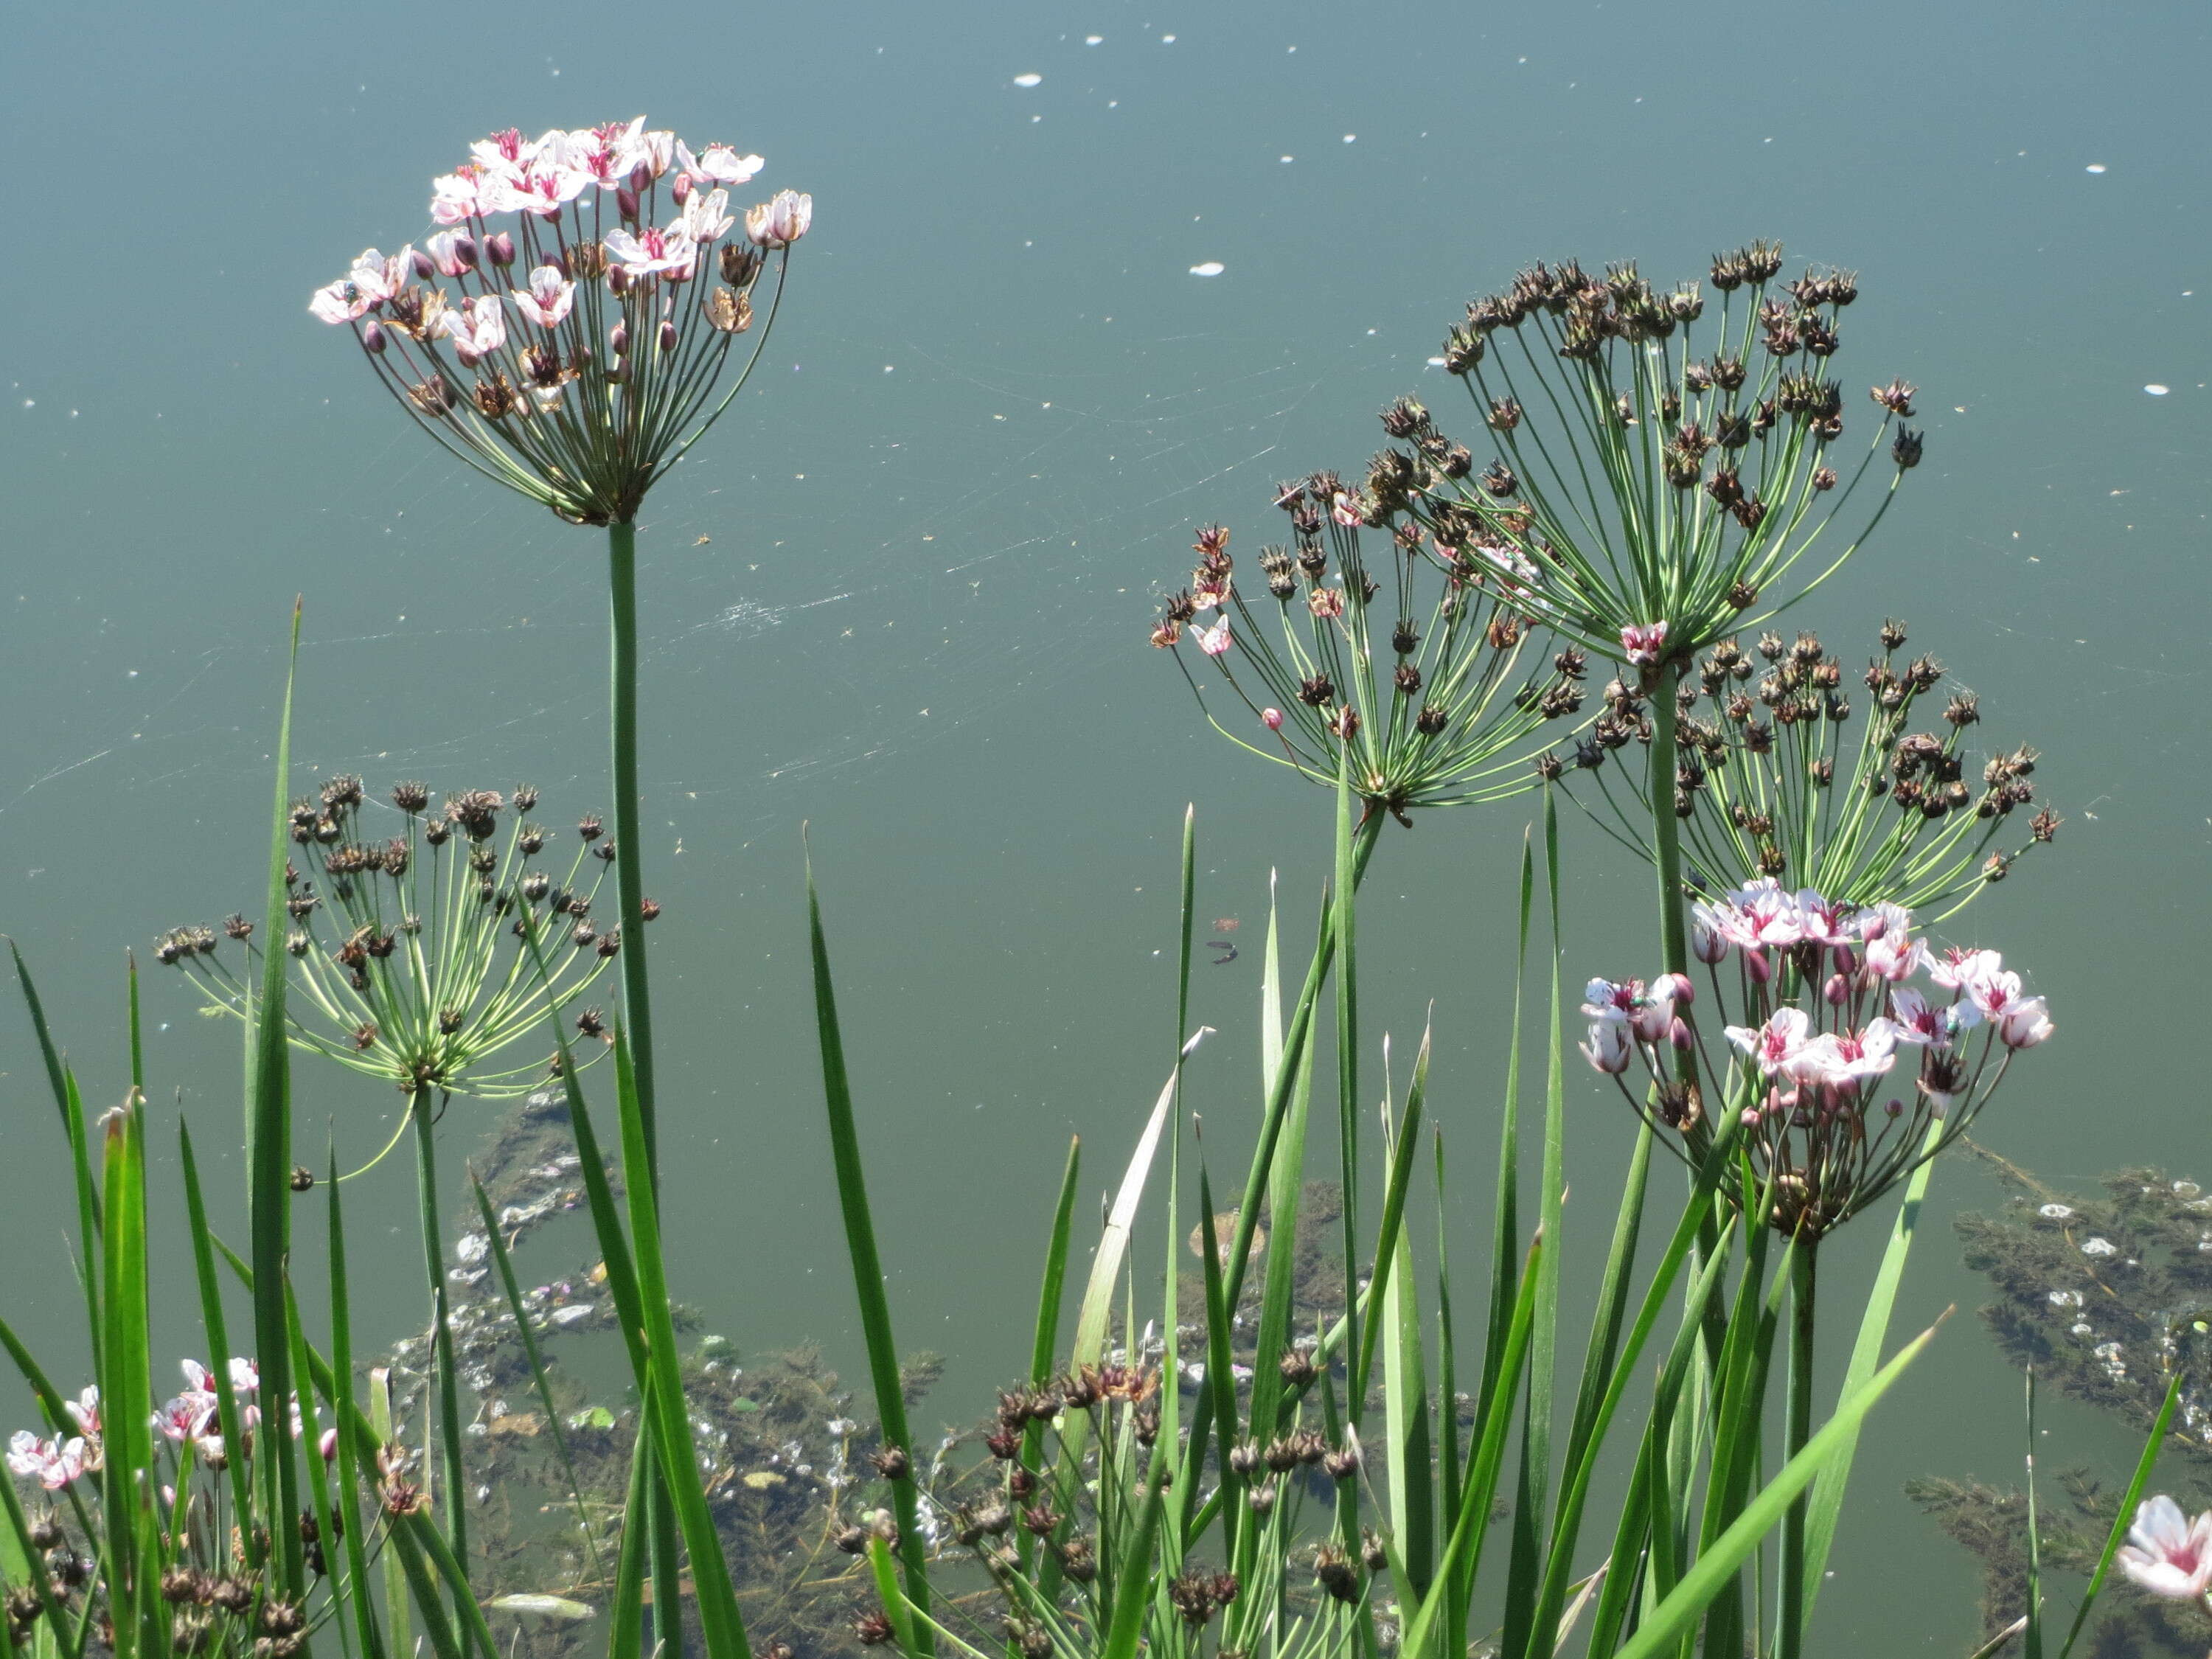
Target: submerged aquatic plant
[1819,1013]
[1410,663]
[420,953]
[1772,781]
[575,355]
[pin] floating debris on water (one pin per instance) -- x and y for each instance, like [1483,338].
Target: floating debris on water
[1211,268]
[2094,167]
[2156,389]
[1031,79]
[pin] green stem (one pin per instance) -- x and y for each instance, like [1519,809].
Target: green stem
[630,831]
[1804,1263]
[455,1497]
[1666,835]
[637,998]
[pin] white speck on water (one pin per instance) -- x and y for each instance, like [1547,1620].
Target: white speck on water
[1351,137]
[1288,160]
[1211,268]
[887,368]
[2156,389]
[1094,39]
[2094,167]
[1034,120]
[1436,362]
[1031,79]
[1167,40]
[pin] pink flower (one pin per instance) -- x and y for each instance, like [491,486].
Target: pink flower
[1215,640]
[1776,1045]
[2166,1553]
[1760,915]
[2024,1024]
[187,1416]
[1878,920]
[1640,644]
[543,188]
[719,162]
[454,251]
[1895,956]
[1326,603]
[548,299]
[1995,991]
[1608,1047]
[373,279]
[458,196]
[54,1462]
[1345,509]
[1958,970]
[650,250]
[1934,1024]
[705,215]
[1820,922]
[84,1412]
[1610,1001]
[1708,942]
[477,327]
[1846,1059]
[780,220]
[1272,719]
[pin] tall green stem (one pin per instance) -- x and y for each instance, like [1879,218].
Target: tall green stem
[454,1499]
[1790,1635]
[637,1001]
[1666,835]
[630,830]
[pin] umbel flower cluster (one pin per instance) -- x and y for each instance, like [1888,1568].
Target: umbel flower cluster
[186,1421]
[427,952]
[565,331]
[1843,1072]
[1654,471]
[1773,779]
[1410,658]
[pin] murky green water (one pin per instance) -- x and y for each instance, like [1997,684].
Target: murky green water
[902,593]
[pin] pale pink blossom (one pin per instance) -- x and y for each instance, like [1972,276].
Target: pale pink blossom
[1934,1024]
[454,251]
[1958,970]
[653,150]
[458,196]
[1821,922]
[650,250]
[1209,596]
[705,215]
[605,154]
[506,151]
[720,163]
[1877,920]
[543,188]
[1895,956]
[1608,1047]
[84,1412]
[375,278]
[1760,915]
[547,300]
[1272,719]
[1776,1045]
[54,1463]
[187,1416]
[1612,1000]
[1641,643]
[2024,1024]
[476,327]
[780,220]
[1215,640]
[1708,943]
[1995,992]
[1676,988]
[1846,1059]
[1344,508]
[2167,1553]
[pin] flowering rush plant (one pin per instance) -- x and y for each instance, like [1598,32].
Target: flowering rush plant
[1843,1072]
[1408,658]
[564,332]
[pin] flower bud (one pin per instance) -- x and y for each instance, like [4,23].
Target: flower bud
[1761,969]
[626,204]
[371,338]
[641,177]
[464,252]
[1676,988]
[499,248]
[1272,719]
[1847,960]
[424,270]
[667,336]
[1837,992]
[1680,1036]
[680,188]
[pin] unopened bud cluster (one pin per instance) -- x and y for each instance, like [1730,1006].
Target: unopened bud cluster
[423,948]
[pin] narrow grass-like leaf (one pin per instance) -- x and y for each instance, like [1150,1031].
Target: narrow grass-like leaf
[1406,1144]
[626,1630]
[1046,1343]
[2124,1516]
[1344,893]
[867,1266]
[678,1463]
[212,1322]
[395,1573]
[2032,1639]
[353,1589]
[125,1374]
[1684,1605]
